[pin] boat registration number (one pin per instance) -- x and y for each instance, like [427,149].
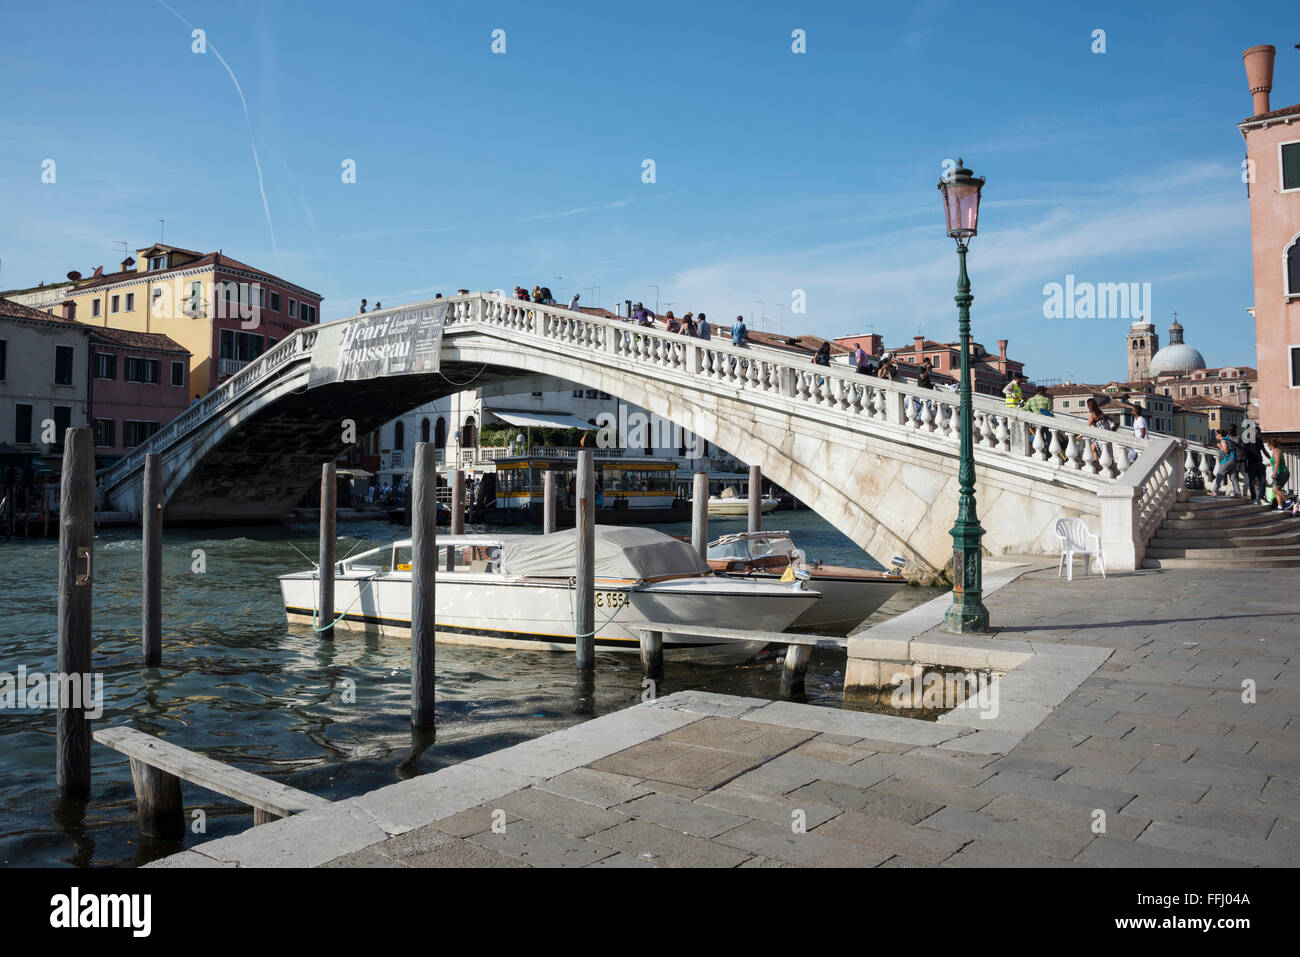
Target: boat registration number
[611,599]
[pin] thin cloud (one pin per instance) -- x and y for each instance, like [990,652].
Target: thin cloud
[575,212]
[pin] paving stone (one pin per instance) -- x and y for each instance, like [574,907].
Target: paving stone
[366,857]
[788,772]
[1068,819]
[561,814]
[1229,820]
[474,820]
[699,820]
[1147,785]
[1212,843]
[1252,800]
[898,861]
[981,826]
[621,860]
[1060,792]
[460,855]
[1016,764]
[743,737]
[668,848]
[540,846]
[922,844]
[1116,852]
[760,861]
[803,850]
[874,745]
[923,792]
[679,763]
[601,788]
[1083,758]
[826,751]
[1200,773]
[1188,741]
[1253,762]
[831,794]
[985,742]
[768,807]
[861,723]
[985,854]
[415,842]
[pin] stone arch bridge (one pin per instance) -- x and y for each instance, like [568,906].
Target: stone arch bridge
[876,459]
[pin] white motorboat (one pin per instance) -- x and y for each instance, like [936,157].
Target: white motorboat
[849,595]
[518,591]
[737,505]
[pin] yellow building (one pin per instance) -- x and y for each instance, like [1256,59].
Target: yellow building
[225,312]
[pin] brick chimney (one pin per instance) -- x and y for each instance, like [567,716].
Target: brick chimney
[1259,74]
[874,344]
[919,345]
[127,263]
[1002,348]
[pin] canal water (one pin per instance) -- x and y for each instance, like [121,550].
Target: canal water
[330,717]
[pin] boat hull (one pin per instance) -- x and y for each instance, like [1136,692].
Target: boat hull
[491,611]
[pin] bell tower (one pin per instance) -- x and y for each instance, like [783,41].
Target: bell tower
[1143,343]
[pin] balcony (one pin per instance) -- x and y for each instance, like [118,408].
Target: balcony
[228,367]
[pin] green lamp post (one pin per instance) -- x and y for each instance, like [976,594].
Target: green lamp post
[961,207]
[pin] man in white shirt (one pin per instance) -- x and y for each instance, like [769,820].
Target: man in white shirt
[573,303]
[1139,431]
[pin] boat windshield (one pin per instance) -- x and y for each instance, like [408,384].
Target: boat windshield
[753,546]
[775,545]
[470,558]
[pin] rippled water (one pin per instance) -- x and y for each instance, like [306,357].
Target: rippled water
[236,686]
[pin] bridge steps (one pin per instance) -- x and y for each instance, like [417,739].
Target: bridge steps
[1223,532]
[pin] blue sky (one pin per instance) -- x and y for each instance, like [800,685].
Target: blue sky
[774,171]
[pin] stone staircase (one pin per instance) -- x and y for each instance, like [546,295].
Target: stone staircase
[1202,531]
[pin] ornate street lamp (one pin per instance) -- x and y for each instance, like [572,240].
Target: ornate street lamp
[961,207]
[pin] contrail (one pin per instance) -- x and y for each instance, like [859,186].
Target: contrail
[249,122]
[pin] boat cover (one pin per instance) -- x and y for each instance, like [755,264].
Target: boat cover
[621,552]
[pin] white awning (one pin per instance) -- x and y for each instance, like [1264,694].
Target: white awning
[546,420]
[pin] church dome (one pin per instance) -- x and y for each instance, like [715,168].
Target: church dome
[1178,356]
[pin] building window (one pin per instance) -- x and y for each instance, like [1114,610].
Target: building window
[94,307]
[135,433]
[1290,162]
[293,309]
[579,393]
[115,304]
[62,422]
[105,365]
[250,346]
[22,424]
[4,354]
[399,436]
[105,433]
[275,302]
[1293,269]
[178,373]
[157,262]
[141,370]
[1295,367]
[130,302]
[307,313]
[63,365]
[424,430]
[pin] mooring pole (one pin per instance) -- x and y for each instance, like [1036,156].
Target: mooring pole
[652,655]
[457,524]
[76,550]
[151,519]
[755,499]
[585,598]
[795,670]
[700,515]
[328,534]
[548,502]
[424,574]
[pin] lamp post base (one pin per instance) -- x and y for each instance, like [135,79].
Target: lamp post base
[967,614]
[964,618]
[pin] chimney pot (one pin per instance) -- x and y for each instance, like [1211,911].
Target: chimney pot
[1259,74]
[920,344]
[1002,347]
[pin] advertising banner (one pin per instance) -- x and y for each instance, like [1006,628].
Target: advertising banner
[401,342]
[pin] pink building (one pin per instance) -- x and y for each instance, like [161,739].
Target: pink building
[1273,153]
[139,381]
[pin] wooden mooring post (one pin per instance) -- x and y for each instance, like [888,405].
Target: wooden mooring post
[652,655]
[151,548]
[795,669]
[424,574]
[548,502]
[755,499]
[457,524]
[700,515]
[328,536]
[76,557]
[584,599]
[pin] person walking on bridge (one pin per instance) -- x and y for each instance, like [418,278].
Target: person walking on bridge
[740,332]
[1013,391]
[923,378]
[363,307]
[702,328]
[1227,464]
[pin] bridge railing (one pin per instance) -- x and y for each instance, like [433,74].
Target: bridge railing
[294,347]
[1058,443]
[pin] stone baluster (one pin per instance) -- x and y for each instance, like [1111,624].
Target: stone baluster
[1207,470]
[1040,447]
[986,429]
[1071,452]
[1107,460]
[878,403]
[1088,459]
[1121,458]
[1003,436]
[927,417]
[909,412]
[1054,448]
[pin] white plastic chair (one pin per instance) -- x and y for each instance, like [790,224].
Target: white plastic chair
[1074,536]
